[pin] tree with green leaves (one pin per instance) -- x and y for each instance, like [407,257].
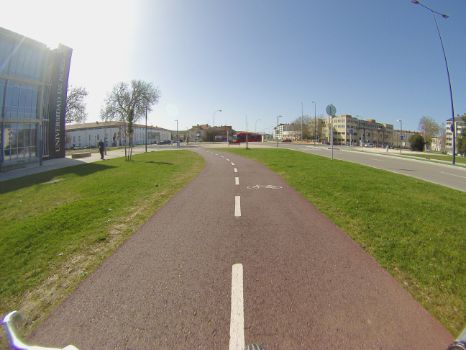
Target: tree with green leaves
[128,103]
[75,111]
[417,142]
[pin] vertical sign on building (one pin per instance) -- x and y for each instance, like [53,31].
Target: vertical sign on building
[60,72]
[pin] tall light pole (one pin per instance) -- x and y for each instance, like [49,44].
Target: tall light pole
[146,130]
[401,133]
[276,130]
[255,124]
[315,122]
[247,133]
[302,116]
[434,14]
[213,116]
[177,138]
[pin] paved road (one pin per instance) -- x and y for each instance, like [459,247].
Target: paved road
[442,174]
[302,283]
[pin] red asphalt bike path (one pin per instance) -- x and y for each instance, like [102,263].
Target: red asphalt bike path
[307,285]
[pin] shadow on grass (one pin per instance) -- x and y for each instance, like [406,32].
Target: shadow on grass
[158,163]
[48,176]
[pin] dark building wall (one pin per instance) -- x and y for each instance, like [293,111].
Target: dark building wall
[33,88]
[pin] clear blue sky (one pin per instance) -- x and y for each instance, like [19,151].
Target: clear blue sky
[259,58]
[379,59]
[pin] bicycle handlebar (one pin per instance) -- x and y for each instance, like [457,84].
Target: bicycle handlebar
[460,342]
[17,344]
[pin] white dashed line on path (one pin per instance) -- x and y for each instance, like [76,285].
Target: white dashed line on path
[235,170]
[236,180]
[232,163]
[237,206]
[237,308]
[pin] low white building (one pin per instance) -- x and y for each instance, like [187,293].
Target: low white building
[112,133]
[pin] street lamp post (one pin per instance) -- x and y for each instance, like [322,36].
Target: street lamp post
[315,122]
[434,14]
[276,130]
[213,116]
[401,133]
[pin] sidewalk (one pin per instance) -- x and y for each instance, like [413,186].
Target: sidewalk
[406,154]
[52,164]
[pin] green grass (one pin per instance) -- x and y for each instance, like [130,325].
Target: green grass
[65,222]
[460,160]
[416,230]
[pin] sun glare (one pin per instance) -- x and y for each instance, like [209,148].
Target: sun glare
[101,34]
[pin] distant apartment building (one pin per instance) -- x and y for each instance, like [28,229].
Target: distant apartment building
[348,130]
[198,132]
[33,89]
[278,132]
[437,144]
[205,132]
[290,132]
[460,126]
[112,133]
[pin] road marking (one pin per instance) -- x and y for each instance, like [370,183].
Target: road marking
[222,156]
[216,154]
[271,187]
[237,206]
[235,170]
[236,180]
[443,172]
[237,308]
[232,163]
[228,160]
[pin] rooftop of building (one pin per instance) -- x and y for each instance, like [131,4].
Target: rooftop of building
[26,40]
[111,124]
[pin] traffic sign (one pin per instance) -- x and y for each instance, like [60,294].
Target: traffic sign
[331,110]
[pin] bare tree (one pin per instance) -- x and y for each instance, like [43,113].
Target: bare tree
[128,103]
[429,128]
[296,126]
[75,106]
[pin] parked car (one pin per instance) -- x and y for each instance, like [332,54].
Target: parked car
[164,142]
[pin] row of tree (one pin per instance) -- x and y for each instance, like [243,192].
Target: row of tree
[126,103]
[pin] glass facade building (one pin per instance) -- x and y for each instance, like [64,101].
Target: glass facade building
[33,87]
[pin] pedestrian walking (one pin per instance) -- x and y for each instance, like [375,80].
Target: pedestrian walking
[101,149]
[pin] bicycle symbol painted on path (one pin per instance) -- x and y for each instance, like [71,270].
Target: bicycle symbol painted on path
[270,187]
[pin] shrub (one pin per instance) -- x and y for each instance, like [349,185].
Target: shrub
[417,142]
